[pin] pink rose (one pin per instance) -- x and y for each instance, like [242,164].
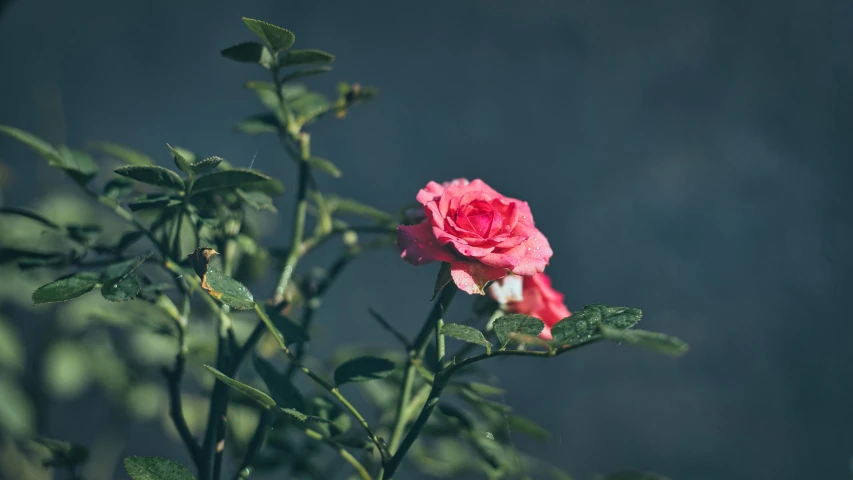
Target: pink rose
[481,233]
[538,300]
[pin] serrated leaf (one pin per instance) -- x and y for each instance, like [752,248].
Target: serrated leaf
[466,334]
[324,166]
[304,73]
[308,106]
[578,328]
[182,163]
[153,175]
[67,369]
[249,52]
[156,468]
[527,427]
[634,476]
[258,124]
[283,392]
[654,341]
[121,152]
[258,396]
[125,289]
[116,188]
[363,369]
[275,37]
[66,289]
[485,389]
[305,56]
[516,323]
[292,332]
[227,179]
[621,317]
[205,165]
[222,287]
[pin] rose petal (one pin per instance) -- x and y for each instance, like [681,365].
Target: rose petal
[534,254]
[470,277]
[429,193]
[418,245]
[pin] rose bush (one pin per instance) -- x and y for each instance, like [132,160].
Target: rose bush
[479,232]
[532,296]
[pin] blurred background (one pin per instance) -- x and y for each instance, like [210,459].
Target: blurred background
[690,158]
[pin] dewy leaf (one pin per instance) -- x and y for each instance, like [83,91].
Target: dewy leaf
[620,317]
[527,427]
[220,286]
[283,392]
[324,166]
[466,334]
[66,289]
[225,179]
[276,37]
[249,52]
[301,57]
[362,369]
[205,165]
[657,342]
[120,152]
[337,204]
[308,106]
[156,468]
[258,396]
[516,323]
[153,175]
[578,328]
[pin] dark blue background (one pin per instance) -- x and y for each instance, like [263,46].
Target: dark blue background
[687,157]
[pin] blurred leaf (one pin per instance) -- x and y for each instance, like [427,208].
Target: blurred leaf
[292,332]
[153,175]
[362,369]
[67,369]
[79,164]
[275,37]
[466,334]
[337,204]
[484,388]
[258,396]
[634,476]
[83,234]
[121,152]
[301,57]
[17,413]
[294,413]
[34,142]
[249,52]
[225,179]
[283,392]
[578,328]
[154,203]
[63,454]
[156,468]
[116,188]
[182,163]
[206,165]
[324,166]
[456,416]
[527,427]
[12,356]
[657,342]
[308,106]
[257,200]
[146,401]
[21,212]
[257,124]
[304,73]
[516,323]
[65,289]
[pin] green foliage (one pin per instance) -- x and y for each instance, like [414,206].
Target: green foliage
[250,52]
[67,288]
[466,334]
[363,369]
[231,179]
[324,166]
[153,175]
[654,341]
[305,56]
[229,291]
[508,325]
[276,38]
[122,153]
[156,468]
[258,396]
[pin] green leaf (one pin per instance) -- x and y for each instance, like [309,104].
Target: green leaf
[634,476]
[282,390]
[324,166]
[65,289]
[227,290]
[258,124]
[466,334]
[442,279]
[257,200]
[516,323]
[249,52]
[205,165]
[21,212]
[275,37]
[304,73]
[153,175]
[62,454]
[301,57]
[226,179]
[258,396]
[156,468]
[43,148]
[308,106]
[655,341]
[294,413]
[578,328]
[182,163]
[80,165]
[527,427]
[120,152]
[362,369]
[337,204]
[125,289]
[620,317]
[292,332]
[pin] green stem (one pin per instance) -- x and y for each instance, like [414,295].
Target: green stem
[255,445]
[439,342]
[359,468]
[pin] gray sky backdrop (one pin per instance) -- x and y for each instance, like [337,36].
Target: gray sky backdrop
[687,157]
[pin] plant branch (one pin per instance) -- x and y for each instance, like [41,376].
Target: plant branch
[359,468]
[255,445]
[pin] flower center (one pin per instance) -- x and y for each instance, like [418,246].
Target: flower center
[479,215]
